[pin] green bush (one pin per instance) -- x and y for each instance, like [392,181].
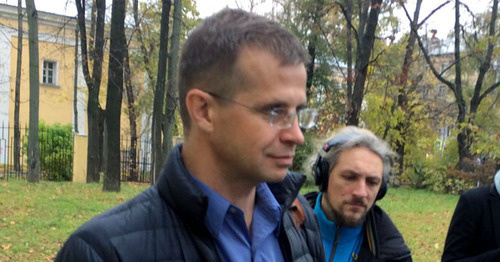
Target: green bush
[414,176]
[56,151]
[303,153]
[440,174]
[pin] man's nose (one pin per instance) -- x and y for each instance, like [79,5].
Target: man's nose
[292,134]
[360,189]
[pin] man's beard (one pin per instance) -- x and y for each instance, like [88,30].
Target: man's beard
[344,220]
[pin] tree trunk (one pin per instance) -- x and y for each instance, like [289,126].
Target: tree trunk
[349,48]
[464,139]
[402,98]
[463,135]
[131,98]
[75,84]
[312,45]
[171,99]
[114,96]
[33,145]
[94,153]
[132,158]
[17,129]
[159,95]
[365,48]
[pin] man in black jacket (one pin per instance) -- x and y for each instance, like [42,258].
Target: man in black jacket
[225,194]
[474,232]
[352,170]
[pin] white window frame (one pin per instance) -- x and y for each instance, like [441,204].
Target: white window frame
[45,72]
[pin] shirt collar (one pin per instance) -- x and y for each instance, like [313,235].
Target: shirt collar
[216,210]
[267,205]
[218,207]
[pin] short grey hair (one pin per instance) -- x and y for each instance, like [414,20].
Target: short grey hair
[351,137]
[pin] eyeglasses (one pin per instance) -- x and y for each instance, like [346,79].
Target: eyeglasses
[281,117]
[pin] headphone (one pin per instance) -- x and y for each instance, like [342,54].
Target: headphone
[321,167]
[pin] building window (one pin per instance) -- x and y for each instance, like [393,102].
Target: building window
[49,72]
[425,93]
[441,89]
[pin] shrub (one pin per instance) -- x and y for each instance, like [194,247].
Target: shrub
[442,176]
[449,180]
[56,151]
[414,176]
[303,153]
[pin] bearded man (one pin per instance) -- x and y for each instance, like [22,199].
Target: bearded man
[352,170]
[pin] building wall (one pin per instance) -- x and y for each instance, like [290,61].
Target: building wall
[57,44]
[56,101]
[5,72]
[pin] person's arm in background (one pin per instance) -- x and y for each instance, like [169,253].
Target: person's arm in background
[461,243]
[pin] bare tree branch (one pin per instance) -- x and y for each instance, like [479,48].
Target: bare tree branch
[332,51]
[349,22]
[426,55]
[430,14]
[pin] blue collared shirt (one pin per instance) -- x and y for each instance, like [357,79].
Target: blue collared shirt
[349,241]
[226,223]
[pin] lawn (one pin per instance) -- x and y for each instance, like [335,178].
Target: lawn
[36,219]
[423,218]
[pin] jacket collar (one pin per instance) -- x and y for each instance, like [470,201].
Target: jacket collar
[383,238]
[178,189]
[288,189]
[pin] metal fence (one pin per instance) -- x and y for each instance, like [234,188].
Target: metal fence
[55,148]
[56,156]
[140,169]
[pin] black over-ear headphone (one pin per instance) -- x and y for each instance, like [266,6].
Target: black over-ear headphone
[321,169]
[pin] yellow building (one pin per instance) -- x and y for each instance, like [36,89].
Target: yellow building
[57,69]
[57,76]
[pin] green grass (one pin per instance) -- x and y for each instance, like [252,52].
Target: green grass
[421,216]
[35,219]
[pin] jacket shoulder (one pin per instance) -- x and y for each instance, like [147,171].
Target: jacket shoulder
[477,194]
[131,230]
[389,242]
[303,240]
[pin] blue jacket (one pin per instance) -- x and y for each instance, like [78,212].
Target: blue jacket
[167,223]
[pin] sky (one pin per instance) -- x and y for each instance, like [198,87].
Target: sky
[443,20]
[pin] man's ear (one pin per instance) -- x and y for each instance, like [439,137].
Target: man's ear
[200,107]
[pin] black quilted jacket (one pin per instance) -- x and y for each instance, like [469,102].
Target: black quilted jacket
[166,223]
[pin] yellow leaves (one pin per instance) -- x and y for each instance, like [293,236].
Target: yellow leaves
[12,223]
[6,247]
